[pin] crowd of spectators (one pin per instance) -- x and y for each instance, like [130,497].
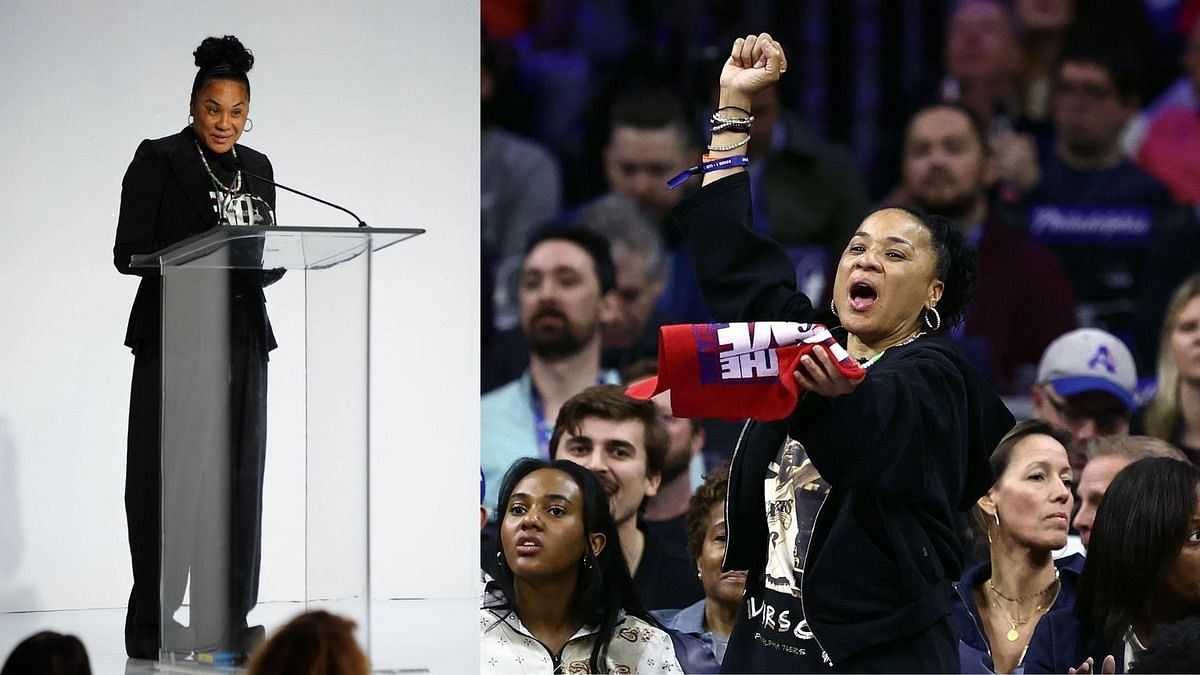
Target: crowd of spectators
[314,643]
[1061,139]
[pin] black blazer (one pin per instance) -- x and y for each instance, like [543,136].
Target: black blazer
[164,200]
[903,454]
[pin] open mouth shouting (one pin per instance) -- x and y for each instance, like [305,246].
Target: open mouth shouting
[863,295]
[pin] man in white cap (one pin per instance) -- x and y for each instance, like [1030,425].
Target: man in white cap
[1085,385]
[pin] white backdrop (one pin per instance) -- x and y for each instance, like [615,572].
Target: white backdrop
[373,104]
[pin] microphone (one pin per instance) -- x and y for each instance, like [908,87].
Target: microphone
[228,159]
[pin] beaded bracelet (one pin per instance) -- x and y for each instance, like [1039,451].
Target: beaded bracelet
[718,117]
[708,165]
[731,127]
[727,148]
[722,122]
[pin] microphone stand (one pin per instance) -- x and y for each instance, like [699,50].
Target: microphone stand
[361,223]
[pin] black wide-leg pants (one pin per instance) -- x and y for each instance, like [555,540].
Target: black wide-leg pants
[213,497]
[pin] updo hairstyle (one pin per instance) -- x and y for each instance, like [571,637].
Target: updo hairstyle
[223,58]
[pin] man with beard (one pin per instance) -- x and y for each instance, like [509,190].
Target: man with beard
[667,510]
[1024,298]
[566,294]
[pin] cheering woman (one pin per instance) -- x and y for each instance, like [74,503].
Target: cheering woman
[176,187]
[846,514]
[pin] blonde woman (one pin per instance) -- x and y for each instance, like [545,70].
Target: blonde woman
[1174,413]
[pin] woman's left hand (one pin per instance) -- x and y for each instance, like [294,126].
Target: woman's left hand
[821,376]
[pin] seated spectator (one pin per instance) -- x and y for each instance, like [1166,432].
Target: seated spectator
[520,190]
[1105,458]
[1043,30]
[1023,298]
[1141,572]
[566,296]
[1174,413]
[314,643]
[1174,649]
[650,140]
[563,601]
[48,653]
[1092,207]
[1024,515]
[622,442]
[630,329]
[641,267]
[1085,385]
[1170,150]
[710,619]
[983,57]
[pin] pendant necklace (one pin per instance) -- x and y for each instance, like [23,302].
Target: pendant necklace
[1013,634]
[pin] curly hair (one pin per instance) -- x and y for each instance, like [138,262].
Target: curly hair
[956,266]
[708,495]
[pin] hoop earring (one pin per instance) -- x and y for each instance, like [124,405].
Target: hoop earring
[191,119]
[249,125]
[936,315]
[833,307]
[996,515]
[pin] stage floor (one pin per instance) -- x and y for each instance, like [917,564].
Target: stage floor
[408,636]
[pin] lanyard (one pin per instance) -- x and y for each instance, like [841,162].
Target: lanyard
[541,426]
[539,420]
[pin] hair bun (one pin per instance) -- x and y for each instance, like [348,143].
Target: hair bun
[227,51]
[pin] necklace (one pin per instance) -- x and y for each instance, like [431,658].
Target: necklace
[1015,622]
[237,177]
[1024,597]
[868,362]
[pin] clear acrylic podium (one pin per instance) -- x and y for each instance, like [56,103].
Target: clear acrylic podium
[214,418]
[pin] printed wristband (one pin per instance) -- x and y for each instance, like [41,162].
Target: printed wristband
[708,166]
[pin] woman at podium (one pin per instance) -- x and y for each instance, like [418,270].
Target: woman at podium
[176,187]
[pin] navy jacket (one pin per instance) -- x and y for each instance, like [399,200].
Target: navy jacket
[974,652]
[904,453]
[1061,641]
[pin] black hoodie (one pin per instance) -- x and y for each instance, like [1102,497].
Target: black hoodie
[903,454]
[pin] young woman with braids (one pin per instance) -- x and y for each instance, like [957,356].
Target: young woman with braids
[563,601]
[176,187]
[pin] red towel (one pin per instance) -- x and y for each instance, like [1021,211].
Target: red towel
[737,370]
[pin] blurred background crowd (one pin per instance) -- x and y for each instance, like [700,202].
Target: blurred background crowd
[1062,137]
[1092,158]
